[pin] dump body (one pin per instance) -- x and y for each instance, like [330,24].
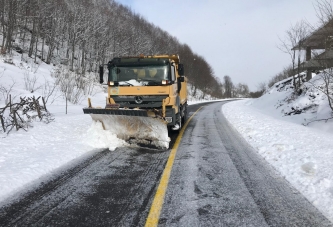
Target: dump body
[145,86]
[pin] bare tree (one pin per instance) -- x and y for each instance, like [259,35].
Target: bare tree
[11,24]
[5,91]
[292,44]
[228,87]
[327,86]
[324,12]
[241,90]
[262,87]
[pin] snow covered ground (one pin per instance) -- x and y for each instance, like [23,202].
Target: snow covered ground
[303,155]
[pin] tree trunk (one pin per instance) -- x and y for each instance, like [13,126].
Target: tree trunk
[42,54]
[293,63]
[66,101]
[50,53]
[36,48]
[23,38]
[4,33]
[298,69]
[82,59]
[73,56]
[32,41]
[11,24]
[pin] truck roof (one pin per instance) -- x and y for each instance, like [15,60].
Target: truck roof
[173,57]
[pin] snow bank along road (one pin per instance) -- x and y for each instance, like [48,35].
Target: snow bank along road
[216,180]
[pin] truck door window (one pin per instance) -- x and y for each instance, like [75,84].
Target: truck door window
[113,74]
[173,77]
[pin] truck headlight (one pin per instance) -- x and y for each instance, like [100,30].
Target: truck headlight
[164,82]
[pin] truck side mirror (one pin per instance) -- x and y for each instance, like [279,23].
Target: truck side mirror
[182,79]
[179,85]
[101,72]
[181,69]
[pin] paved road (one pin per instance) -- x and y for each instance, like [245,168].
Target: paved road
[216,180]
[110,189]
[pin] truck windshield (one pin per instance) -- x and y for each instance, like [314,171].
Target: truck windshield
[154,74]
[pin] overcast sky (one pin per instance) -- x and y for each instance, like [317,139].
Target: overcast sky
[238,38]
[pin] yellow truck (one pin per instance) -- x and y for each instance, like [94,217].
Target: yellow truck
[147,97]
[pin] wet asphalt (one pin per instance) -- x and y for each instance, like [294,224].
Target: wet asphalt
[217,180]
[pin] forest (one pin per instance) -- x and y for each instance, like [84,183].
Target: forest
[82,34]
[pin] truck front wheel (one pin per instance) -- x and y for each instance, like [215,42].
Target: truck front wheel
[184,113]
[179,121]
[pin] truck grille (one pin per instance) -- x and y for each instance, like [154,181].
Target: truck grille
[141,101]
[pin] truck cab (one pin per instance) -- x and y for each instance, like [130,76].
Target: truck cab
[153,84]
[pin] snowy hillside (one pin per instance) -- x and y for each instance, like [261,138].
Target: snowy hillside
[311,108]
[285,131]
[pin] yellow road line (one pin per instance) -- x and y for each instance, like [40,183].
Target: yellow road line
[156,207]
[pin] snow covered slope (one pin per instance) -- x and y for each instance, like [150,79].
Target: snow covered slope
[274,125]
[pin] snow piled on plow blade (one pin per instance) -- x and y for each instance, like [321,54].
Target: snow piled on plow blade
[97,137]
[146,131]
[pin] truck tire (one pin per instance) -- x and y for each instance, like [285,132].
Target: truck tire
[178,121]
[184,111]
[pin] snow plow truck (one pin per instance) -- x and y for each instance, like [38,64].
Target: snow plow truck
[147,97]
